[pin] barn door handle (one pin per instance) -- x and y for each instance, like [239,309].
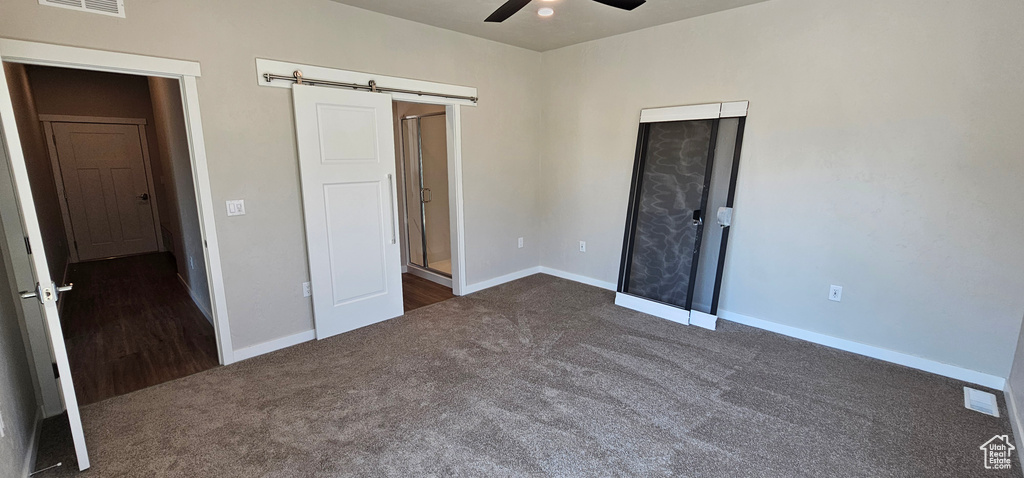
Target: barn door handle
[391,197]
[143,196]
[698,219]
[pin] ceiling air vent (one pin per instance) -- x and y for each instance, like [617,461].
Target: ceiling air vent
[103,7]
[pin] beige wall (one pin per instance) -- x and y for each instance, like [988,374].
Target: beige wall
[250,136]
[882,153]
[1015,391]
[180,194]
[40,170]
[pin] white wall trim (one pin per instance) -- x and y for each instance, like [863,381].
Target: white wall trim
[345,76]
[33,445]
[195,299]
[428,275]
[578,278]
[1015,424]
[907,360]
[651,307]
[703,320]
[274,345]
[34,53]
[90,119]
[487,284]
[734,109]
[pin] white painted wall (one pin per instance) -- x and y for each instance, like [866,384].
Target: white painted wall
[183,215]
[250,137]
[882,153]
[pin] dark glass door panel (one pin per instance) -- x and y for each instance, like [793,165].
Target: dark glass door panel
[668,206]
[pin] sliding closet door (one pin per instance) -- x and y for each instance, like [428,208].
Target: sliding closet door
[680,211]
[666,237]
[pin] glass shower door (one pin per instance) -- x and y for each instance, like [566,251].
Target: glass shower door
[425,164]
[434,193]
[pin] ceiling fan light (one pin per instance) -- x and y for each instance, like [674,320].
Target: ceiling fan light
[546,12]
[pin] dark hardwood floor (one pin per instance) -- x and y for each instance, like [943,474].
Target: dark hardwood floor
[419,292]
[129,324]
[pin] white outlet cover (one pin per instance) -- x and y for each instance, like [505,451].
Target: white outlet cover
[520,243]
[583,246]
[236,207]
[306,289]
[835,293]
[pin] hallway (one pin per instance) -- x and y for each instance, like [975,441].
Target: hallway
[129,324]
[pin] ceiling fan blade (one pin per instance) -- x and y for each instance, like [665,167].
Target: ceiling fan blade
[507,10]
[623,4]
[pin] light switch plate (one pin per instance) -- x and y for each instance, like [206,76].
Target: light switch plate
[236,207]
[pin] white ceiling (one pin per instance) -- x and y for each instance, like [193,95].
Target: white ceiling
[574,21]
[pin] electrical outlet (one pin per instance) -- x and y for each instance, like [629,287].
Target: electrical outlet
[307,291]
[835,293]
[236,207]
[583,246]
[520,243]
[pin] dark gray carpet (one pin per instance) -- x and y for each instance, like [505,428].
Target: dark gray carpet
[542,377]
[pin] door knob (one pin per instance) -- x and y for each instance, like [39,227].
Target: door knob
[143,196]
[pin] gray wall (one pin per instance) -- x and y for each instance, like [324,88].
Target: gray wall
[18,405]
[180,194]
[40,171]
[1015,392]
[882,153]
[250,139]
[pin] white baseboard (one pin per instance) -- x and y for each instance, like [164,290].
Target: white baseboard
[33,445]
[650,307]
[578,278]
[195,300]
[273,345]
[430,276]
[1018,429]
[907,360]
[487,284]
[702,320]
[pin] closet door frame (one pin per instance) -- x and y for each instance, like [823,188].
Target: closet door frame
[713,111]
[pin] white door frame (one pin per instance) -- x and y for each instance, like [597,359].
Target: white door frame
[186,72]
[58,177]
[453,115]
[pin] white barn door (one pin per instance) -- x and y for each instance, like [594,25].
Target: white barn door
[347,161]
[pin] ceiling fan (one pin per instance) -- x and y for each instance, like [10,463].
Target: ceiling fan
[512,6]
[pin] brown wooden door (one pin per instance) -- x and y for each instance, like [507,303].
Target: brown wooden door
[103,167]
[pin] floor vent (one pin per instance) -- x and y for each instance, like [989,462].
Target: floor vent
[103,7]
[982,402]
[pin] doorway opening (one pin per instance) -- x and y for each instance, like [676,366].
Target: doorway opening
[111,173]
[422,152]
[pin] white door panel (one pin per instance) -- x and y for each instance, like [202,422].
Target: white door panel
[30,225]
[103,169]
[346,157]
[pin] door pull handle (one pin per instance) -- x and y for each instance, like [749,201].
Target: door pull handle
[143,196]
[697,219]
